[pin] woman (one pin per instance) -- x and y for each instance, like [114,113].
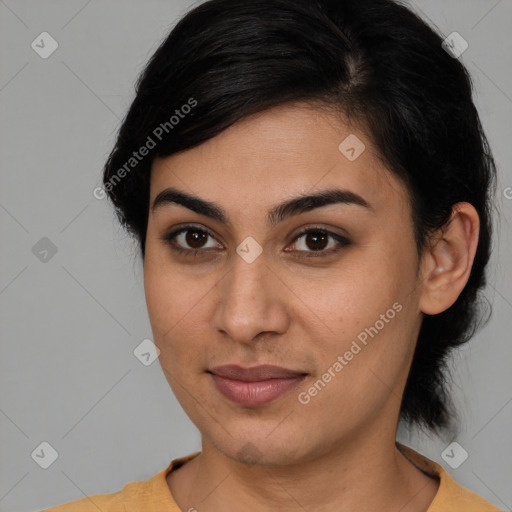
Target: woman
[310,187]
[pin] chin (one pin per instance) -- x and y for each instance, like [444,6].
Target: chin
[261,451]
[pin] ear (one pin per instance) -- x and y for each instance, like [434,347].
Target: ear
[447,261]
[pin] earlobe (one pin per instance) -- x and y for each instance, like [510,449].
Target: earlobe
[448,260]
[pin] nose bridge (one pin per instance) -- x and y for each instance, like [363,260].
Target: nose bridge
[246,285]
[247,305]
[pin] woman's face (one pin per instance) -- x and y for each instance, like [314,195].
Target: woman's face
[339,307]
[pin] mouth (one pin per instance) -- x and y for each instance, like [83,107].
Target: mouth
[254,386]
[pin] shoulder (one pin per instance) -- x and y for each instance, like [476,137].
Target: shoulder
[451,497]
[104,502]
[133,497]
[132,493]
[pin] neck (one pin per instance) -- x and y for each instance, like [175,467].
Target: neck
[358,474]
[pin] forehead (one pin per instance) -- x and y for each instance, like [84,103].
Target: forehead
[279,153]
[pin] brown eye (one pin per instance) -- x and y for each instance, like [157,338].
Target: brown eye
[316,241]
[190,240]
[195,238]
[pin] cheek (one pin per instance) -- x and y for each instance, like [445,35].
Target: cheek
[370,314]
[362,369]
[353,298]
[160,292]
[177,315]
[163,301]
[164,288]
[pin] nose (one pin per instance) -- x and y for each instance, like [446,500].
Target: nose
[251,301]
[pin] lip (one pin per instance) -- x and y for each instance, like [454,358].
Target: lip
[254,386]
[255,373]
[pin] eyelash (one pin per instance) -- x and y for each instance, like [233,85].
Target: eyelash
[344,242]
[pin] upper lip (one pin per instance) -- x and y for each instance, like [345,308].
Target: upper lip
[256,373]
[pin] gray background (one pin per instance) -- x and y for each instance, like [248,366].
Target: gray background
[69,325]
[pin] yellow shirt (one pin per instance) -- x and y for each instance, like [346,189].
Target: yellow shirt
[153,495]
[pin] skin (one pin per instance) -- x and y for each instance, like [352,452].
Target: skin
[338,451]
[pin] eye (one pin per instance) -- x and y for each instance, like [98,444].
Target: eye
[191,240]
[190,236]
[316,240]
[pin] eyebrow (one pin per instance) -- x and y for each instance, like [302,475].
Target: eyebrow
[289,208]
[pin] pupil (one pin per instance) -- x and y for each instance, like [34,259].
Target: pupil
[315,237]
[195,237]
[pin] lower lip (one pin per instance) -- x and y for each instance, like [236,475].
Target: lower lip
[255,393]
